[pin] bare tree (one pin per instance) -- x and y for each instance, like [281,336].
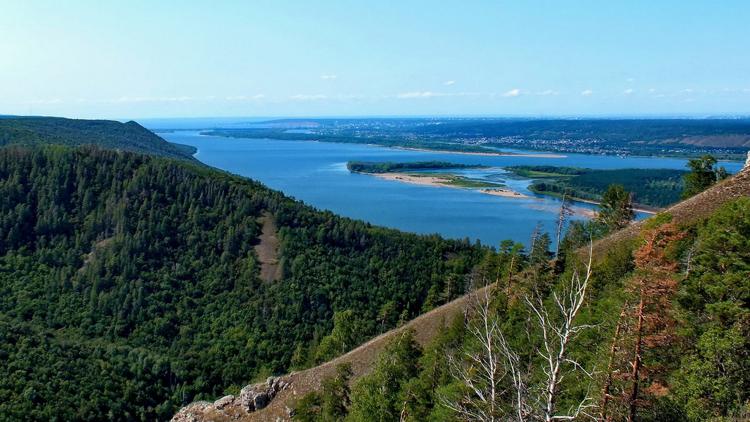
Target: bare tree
[494,374]
[557,333]
[613,349]
[483,371]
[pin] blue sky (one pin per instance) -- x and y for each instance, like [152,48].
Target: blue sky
[137,59]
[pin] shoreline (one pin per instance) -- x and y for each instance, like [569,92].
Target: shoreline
[503,192]
[486,154]
[442,182]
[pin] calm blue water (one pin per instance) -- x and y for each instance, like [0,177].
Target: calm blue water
[315,172]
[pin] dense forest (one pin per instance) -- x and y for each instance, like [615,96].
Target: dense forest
[651,187]
[110,134]
[389,166]
[657,329]
[129,284]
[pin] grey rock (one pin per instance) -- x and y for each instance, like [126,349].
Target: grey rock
[224,402]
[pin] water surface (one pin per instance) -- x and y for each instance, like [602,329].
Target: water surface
[315,172]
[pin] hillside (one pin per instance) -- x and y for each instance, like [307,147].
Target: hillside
[295,385]
[130,136]
[130,285]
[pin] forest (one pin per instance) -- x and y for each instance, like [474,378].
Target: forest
[656,329]
[130,136]
[129,284]
[655,188]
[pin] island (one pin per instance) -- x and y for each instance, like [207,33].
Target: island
[431,173]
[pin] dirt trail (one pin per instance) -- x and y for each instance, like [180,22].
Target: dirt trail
[268,249]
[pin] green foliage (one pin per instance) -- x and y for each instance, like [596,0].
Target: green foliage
[702,175]
[649,187]
[348,331]
[130,136]
[389,166]
[702,375]
[379,395]
[129,284]
[615,210]
[331,403]
[714,379]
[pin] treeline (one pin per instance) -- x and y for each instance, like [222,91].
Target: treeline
[656,330]
[129,284]
[651,187]
[389,166]
[130,136]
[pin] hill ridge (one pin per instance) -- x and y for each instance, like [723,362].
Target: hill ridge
[111,134]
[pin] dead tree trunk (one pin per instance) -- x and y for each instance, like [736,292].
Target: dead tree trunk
[636,365]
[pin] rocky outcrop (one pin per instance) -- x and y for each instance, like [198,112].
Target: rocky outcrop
[747,162]
[251,398]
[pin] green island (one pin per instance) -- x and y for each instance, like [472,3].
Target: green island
[651,188]
[392,167]
[420,173]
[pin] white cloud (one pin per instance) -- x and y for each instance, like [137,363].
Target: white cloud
[586,92]
[449,83]
[304,97]
[46,101]
[628,91]
[328,77]
[420,94]
[652,90]
[630,80]
[515,92]
[126,99]
[245,97]
[547,92]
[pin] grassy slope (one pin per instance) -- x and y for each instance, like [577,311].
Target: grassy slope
[426,326]
[109,134]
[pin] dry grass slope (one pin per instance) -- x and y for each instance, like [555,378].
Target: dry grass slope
[426,326]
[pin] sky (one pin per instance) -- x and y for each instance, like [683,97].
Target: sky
[141,59]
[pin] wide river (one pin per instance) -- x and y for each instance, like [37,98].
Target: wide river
[315,172]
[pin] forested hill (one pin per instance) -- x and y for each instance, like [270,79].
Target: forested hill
[129,284]
[662,334]
[130,136]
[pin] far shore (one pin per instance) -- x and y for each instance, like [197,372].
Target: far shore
[482,153]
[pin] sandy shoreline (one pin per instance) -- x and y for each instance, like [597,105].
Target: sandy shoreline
[442,182]
[415,180]
[486,154]
[505,193]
